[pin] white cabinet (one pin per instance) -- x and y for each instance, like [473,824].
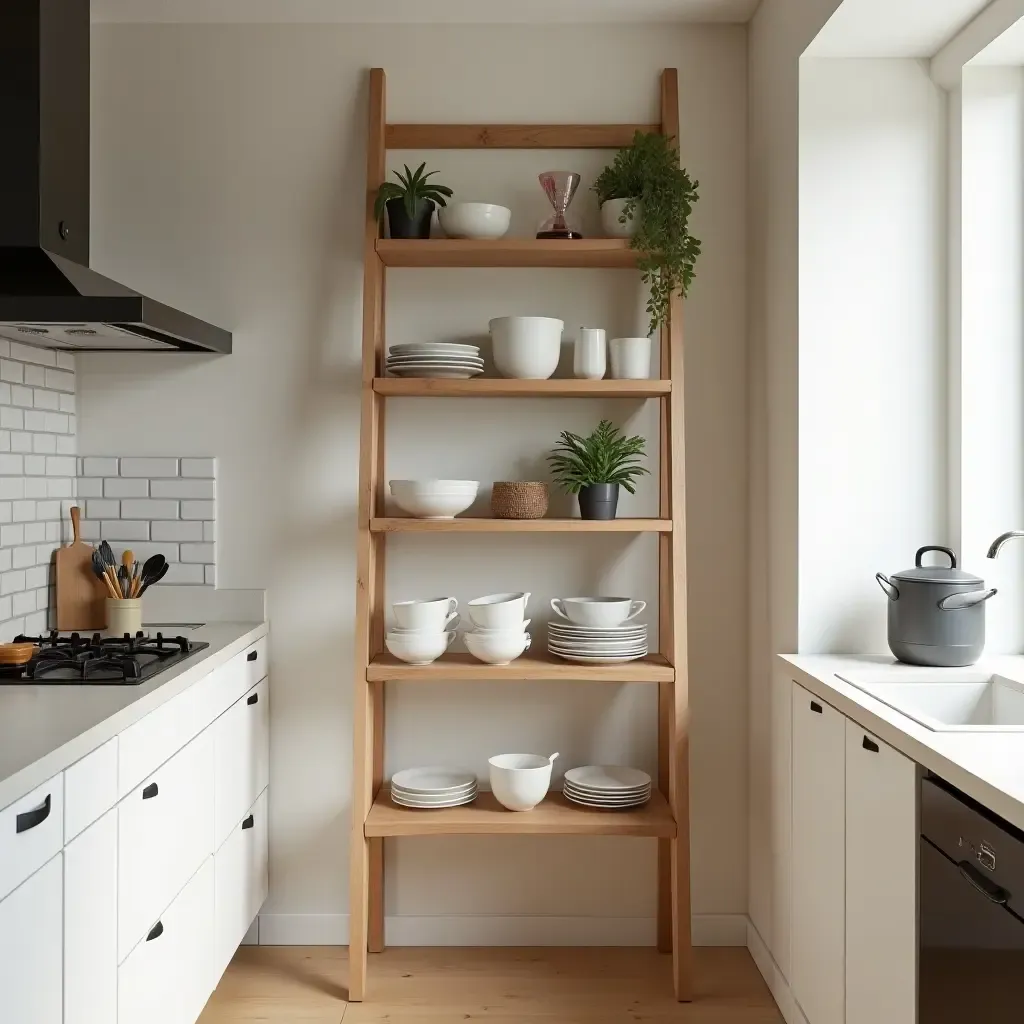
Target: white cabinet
[881,882]
[819,854]
[31,832]
[90,924]
[31,954]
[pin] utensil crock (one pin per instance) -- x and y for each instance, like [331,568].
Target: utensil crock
[123,616]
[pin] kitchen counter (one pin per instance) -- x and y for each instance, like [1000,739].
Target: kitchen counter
[988,766]
[46,728]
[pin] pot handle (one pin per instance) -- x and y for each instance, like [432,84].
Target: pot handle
[891,590]
[935,547]
[968,600]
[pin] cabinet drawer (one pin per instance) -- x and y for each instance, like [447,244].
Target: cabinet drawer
[255,659]
[167,977]
[241,882]
[31,832]
[242,737]
[165,830]
[90,789]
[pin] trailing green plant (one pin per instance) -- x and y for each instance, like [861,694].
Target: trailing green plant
[604,457]
[411,188]
[648,175]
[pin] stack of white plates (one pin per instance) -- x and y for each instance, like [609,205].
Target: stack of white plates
[433,787]
[597,645]
[435,359]
[607,787]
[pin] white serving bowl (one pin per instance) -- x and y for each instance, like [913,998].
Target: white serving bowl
[520,781]
[499,611]
[474,220]
[526,347]
[603,612]
[434,499]
[418,648]
[497,648]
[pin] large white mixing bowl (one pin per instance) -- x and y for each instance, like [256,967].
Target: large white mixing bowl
[474,220]
[526,347]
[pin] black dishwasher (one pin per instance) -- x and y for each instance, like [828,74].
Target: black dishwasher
[971,905]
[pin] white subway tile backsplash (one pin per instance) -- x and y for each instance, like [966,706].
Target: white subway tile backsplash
[22,396]
[90,487]
[209,531]
[90,530]
[31,354]
[202,553]
[35,465]
[11,465]
[5,611]
[182,489]
[36,577]
[20,441]
[24,602]
[6,511]
[35,487]
[34,419]
[36,376]
[25,557]
[181,574]
[211,575]
[177,530]
[148,508]
[5,440]
[35,533]
[12,535]
[48,510]
[60,380]
[102,509]
[125,529]
[26,511]
[146,550]
[119,487]
[42,444]
[65,360]
[67,444]
[197,510]
[98,467]
[66,403]
[11,371]
[58,422]
[198,467]
[46,400]
[12,582]
[60,488]
[61,465]
[6,558]
[12,419]
[12,487]
[149,467]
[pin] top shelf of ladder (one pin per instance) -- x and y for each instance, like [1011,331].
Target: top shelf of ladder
[584,253]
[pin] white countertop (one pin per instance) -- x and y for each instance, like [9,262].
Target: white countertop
[988,766]
[46,728]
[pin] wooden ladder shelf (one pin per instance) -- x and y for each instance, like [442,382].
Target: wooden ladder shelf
[374,816]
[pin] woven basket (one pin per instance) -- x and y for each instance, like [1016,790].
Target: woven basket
[519,499]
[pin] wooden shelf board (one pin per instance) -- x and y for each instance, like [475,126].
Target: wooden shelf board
[513,136]
[398,524]
[610,253]
[556,816]
[532,665]
[435,387]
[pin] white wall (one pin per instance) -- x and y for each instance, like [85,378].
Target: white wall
[228,178]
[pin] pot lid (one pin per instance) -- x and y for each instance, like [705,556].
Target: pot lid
[948,574]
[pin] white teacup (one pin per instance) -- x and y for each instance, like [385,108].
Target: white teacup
[518,628]
[498,611]
[602,612]
[433,615]
[418,648]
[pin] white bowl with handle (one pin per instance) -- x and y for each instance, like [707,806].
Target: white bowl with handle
[499,611]
[526,347]
[474,220]
[602,612]
[520,781]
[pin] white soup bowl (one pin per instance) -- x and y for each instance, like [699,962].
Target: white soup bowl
[526,347]
[474,220]
[602,612]
[500,647]
[418,648]
[520,781]
[434,499]
[498,611]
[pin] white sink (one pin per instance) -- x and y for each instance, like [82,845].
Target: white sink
[956,702]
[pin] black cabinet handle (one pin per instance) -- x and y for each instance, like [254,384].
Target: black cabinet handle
[249,822]
[150,791]
[253,699]
[816,707]
[29,819]
[870,745]
[992,892]
[155,932]
[251,656]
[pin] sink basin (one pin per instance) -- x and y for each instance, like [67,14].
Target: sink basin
[955,703]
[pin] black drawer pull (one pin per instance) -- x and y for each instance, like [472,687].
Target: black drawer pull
[870,745]
[816,707]
[29,819]
[253,699]
[155,932]
[150,791]
[251,656]
[249,822]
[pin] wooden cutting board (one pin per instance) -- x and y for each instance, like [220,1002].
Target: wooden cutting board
[80,596]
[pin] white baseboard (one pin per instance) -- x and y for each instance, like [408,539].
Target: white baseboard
[774,978]
[332,930]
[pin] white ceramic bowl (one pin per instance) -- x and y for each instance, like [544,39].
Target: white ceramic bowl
[434,499]
[418,648]
[604,612]
[474,220]
[526,347]
[499,647]
[520,781]
[499,611]
[518,628]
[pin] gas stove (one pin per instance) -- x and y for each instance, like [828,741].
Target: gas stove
[99,660]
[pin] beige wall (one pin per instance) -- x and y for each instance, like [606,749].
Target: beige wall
[228,177]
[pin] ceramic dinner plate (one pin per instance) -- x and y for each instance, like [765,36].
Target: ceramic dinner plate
[607,777]
[422,805]
[444,347]
[632,798]
[435,371]
[596,649]
[433,779]
[587,659]
[413,795]
[434,357]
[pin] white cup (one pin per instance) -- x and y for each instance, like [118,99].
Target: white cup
[588,358]
[520,781]
[631,358]
[433,615]
[498,611]
[603,612]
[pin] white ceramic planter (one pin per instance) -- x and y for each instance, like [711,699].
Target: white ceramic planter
[611,210]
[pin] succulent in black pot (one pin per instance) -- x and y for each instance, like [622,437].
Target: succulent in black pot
[410,202]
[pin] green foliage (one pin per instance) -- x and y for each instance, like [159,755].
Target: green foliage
[605,457]
[648,173]
[410,188]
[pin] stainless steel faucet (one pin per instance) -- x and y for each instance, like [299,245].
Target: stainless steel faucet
[998,543]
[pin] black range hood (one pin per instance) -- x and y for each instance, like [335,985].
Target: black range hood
[48,295]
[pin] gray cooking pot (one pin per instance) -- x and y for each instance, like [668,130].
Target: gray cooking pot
[936,613]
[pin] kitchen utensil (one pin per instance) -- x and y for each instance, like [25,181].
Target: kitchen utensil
[936,613]
[520,781]
[498,611]
[124,616]
[79,594]
[588,357]
[474,220]
[156,577]
[630,358]
[434,499]
[100,572]
[611,211]
[418,648]
[559,187]
[519,499]
[498,647]
[603,612]
[433,615]
[526,347]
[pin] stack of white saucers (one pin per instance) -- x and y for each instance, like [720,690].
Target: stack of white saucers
[433,787]
[597,645]
[435,359]
[607,787]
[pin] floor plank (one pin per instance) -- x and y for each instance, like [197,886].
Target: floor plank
[306,985]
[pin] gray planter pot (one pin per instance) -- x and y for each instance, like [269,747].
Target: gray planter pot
[599,501]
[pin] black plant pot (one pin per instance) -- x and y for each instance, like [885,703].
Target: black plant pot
[402,225]
[599,501]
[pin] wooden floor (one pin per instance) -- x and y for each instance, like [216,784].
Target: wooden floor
[306,985]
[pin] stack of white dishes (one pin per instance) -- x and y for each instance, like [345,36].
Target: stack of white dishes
[435,359]
[424,629]
[597,630]
[434,499]
[499,634]
[607,787]
[433,787]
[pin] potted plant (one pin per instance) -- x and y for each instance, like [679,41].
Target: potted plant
[595,467]
[410,202]
[646,196]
